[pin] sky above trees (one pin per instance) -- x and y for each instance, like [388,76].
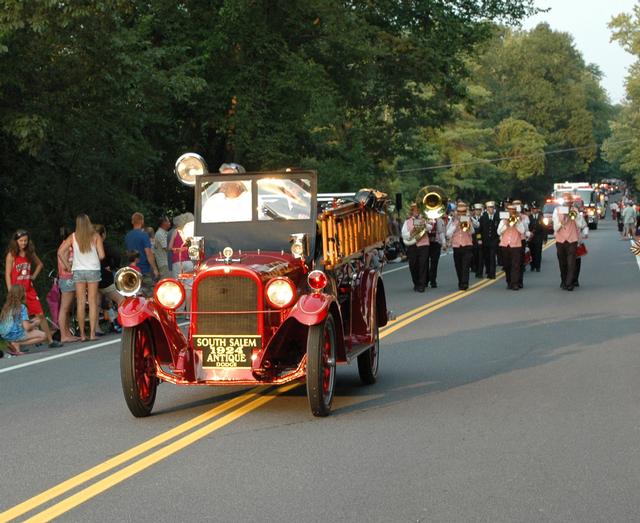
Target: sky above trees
[587,21]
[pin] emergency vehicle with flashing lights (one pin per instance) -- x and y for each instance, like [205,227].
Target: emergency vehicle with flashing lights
[281,291]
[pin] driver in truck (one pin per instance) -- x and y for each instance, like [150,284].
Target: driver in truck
[227,201]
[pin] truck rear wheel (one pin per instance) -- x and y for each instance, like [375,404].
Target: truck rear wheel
[321,366]
[138,369]
[369,360]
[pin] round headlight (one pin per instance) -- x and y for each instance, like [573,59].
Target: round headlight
[169,294]
[280,292]
[188,166]
[227,252]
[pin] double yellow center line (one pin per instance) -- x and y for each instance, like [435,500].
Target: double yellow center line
[245,406]
[242,405]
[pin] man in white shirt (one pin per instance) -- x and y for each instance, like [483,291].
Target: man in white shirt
[230,201]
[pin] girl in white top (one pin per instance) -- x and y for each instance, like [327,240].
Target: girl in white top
[88,250]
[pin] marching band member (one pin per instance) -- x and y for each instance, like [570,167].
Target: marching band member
[437,240]
[477,264]
[511,230]
[538,237]
[567,223]
[415,234]
[584,234]
[459,232]
[524,218]
[489,222]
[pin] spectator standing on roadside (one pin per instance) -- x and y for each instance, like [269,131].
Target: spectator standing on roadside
[109,265]
[21,255]
[160,246]
[628,221]
[88,250]
[67,292]
[15,326]
[133,258]
[178,246]
[138,240]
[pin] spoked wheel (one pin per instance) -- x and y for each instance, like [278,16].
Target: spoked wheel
[138,369]
[369,360]
[321,366]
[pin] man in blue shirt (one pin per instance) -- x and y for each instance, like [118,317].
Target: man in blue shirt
[138,240]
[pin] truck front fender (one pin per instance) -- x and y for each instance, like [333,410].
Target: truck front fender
[312,309]
[169,340]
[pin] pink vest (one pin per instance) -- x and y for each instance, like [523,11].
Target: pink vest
[511,238]
[568,232]
[461,238]
[424,240]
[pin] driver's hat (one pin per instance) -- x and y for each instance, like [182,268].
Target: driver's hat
[231,167]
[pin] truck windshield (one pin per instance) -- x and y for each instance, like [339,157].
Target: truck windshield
[284,199]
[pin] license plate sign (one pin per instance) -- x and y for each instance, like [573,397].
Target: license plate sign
[226,352]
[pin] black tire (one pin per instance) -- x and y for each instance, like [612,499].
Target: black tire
[369,361]
[138,370]
[321,366]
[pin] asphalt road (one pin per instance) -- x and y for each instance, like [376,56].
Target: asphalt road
[498,406]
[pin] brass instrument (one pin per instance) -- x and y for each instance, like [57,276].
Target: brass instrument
[465,225]
[128,281]
[432,200]
[419,229]
[573,214]
[513,219]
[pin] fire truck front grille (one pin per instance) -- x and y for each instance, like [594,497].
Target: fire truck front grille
[227,294]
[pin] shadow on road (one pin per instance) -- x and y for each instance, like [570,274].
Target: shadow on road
[437,364]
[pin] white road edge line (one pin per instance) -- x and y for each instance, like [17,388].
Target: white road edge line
[65,354]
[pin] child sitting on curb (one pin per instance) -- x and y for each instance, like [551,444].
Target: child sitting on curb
[15,326]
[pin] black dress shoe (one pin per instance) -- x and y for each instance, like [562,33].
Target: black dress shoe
[563,286]
[576,284]
[434,285]
[538,269]
[463,287]
[520,285]
[492,277]
[569,288]
[415,288]
[421,289]
[514,288]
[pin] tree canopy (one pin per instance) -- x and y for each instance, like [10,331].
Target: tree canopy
[98,99]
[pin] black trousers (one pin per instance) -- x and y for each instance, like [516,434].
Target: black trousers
[418,259]
[577,274]
[462,257]
[536,254]
[567,260]
[434,259]
[512,263]
[522,267]
[478,261]
[490,252]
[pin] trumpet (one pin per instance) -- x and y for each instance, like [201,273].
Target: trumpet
[513,219]
[465,224]
[573,214]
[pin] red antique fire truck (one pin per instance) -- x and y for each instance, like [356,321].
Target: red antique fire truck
[280,290]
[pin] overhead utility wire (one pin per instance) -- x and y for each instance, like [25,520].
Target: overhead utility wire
[506,158]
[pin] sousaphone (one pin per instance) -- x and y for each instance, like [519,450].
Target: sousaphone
[432,201]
